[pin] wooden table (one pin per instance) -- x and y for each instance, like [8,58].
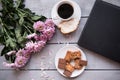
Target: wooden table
[41,65]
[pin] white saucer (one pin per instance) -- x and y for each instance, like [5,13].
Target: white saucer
[76,15]
[61,54]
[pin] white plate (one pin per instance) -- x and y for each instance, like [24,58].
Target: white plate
[61,54]
[76,15]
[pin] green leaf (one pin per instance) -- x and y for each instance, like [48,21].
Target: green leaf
[20,3]
[25,34]
[11,43]
[21,20]
[16,16]
[35,17]
[18,32]
[21,39]
[43,18]
[13,58]
[4,51]
[1,36]
[2,39]
[17,3]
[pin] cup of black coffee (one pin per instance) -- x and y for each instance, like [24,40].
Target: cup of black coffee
[65,10]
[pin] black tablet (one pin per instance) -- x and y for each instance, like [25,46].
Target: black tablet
[101,33]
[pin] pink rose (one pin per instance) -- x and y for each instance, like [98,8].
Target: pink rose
[39,26]
[38,46]
[30,46]
[49,33]
[49,23]
[20,61]
[41,38]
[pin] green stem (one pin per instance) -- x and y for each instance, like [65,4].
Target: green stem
[6,32]
[27,29]
[30,20]
[1,22]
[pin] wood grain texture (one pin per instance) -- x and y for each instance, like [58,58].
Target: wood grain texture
[54,75]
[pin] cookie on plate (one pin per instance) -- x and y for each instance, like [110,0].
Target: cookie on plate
[83,62]
[61,63]
[68,56]
[67,73]
[77,64]
[76,55]
[69,67]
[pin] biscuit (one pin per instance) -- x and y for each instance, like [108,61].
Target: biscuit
[67,73]
[83,62]
[61,66]
[69,67]
[77,64]
[61,63]
[68,56]
[76,55]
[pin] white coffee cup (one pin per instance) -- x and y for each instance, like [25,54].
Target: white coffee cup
[69,2]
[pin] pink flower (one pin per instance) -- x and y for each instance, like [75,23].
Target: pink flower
[41,38]
[31,36]
[41,43]
[20,61]
[49,33]
[30,46]
[19,53]
[24,53]
[38,46]
[35,47]
[49,23]
[39,26]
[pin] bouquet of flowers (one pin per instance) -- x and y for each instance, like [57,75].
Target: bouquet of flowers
[22,32]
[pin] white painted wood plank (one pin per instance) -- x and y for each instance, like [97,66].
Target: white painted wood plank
[44,7]
[54,75]
[45,59]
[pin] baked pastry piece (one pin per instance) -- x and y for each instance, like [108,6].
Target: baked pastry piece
[76,55]
[83,62]
[67,73]
[61,66]
[68,26]
[62,63]
[77,64]
[68,56]
[69,67]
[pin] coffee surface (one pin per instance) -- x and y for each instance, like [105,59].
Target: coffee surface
[65,11]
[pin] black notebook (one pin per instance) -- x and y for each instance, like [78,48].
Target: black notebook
[101,33]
